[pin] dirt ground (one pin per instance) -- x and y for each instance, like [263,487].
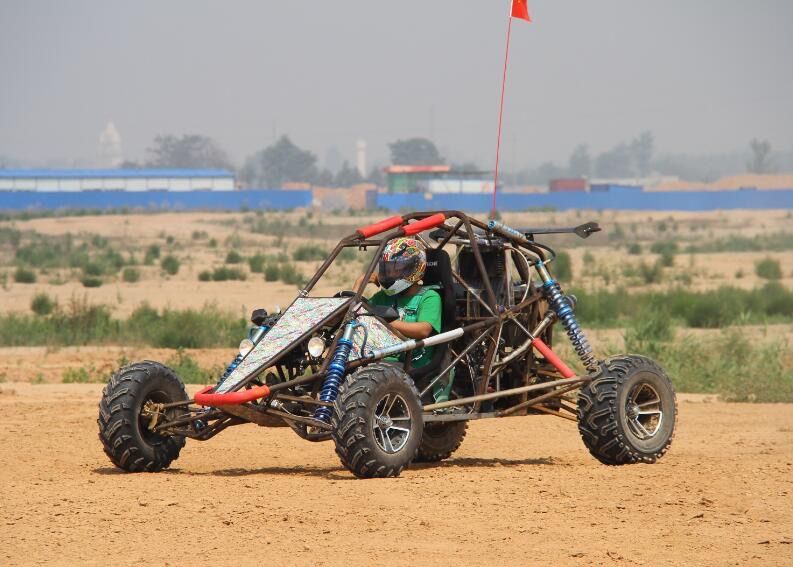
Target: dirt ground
[519,491]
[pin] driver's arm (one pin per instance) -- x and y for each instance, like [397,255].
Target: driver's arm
[359,279]
[419,330]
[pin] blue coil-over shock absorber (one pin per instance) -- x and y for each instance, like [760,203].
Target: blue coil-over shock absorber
[561,305]
[335,374]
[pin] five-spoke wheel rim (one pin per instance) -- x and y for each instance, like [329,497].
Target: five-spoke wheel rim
[391,423]
[644,411]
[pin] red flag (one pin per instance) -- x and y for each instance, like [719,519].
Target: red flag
[520,10]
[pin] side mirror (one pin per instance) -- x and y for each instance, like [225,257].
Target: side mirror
[258,317]
[586,229]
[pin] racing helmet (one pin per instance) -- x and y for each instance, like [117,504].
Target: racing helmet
[403,263]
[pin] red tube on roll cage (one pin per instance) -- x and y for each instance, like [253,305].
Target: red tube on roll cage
[204,398]
[381,226]
[423,224]
[549,355]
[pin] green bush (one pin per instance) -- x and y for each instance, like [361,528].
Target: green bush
[272,273]
[200,235]
[664,247]
[634,248]
[309,252]
[562,267]
[290,275]
[93,269]
[91,281]
[42,304]
[24,276]
[651,273]
[170,264]
[190,372]
[205,276]
[256,263]
[667,259]
[651,325]
[130,275]
[152,254]
[222,274]
[233,257]
[83,375]
[213,243]
[768,269]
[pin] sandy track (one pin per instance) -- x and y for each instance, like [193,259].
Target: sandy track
[518,491]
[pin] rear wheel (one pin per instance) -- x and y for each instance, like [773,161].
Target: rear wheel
[377,421]
[628,413]
[124,431]
[440,440]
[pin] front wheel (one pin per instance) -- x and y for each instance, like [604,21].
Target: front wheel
[377,421]
[124,429]
[627,414]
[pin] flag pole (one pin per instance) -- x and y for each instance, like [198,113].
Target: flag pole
[500,117]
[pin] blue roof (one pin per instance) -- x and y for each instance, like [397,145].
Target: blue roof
[110,173]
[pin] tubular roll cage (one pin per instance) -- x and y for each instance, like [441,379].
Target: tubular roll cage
[235,407]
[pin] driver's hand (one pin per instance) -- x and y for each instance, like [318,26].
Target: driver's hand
[373,279]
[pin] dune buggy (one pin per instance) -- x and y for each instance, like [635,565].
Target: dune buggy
[325,366]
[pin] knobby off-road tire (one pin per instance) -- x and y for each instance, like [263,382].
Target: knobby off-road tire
[440,440]
[377,421]
[125,436]
[609,418]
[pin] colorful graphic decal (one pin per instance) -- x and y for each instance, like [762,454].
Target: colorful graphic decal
[301,316]
[377,334]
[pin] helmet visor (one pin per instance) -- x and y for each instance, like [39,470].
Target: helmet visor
[396,268]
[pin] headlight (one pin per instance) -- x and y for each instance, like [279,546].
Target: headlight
[316,346]
[246,346]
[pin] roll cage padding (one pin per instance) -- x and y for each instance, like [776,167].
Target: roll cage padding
[380,226]
[423,224]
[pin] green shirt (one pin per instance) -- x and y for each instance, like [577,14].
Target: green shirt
[423,307]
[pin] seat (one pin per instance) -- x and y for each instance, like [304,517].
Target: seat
[438,275]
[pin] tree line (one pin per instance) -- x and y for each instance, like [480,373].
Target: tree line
[284,162]
[279,163]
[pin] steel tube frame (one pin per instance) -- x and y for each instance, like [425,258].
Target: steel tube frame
[462,228]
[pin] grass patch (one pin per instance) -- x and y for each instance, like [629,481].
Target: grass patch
[713,309]
[714,365]
[190,372]
[773,242]
[79,323]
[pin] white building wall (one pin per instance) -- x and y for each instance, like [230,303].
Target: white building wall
[222,184]
[117,184]
[60,185]
[180,184]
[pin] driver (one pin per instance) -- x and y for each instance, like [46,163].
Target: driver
[399,276]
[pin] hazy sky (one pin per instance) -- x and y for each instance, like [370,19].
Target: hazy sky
[704,75]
